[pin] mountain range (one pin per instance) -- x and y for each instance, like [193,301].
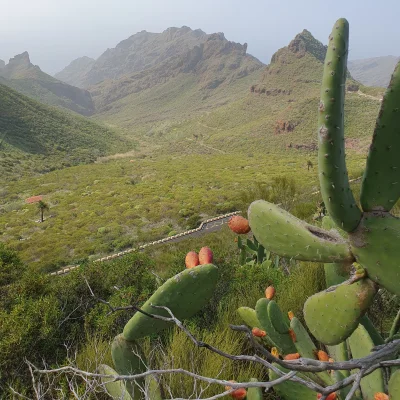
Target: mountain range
[374,71]
[186,92]
[21,75]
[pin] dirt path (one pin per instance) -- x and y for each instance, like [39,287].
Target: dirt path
[208,226]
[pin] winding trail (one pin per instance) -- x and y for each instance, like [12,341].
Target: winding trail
[208,226]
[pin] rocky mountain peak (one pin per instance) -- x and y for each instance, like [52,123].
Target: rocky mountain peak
[302,44]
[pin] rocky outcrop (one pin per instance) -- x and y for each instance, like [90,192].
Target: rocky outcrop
[2,64]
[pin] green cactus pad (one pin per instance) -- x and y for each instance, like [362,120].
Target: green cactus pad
[128,360]
[283,341]
[306,348]
[184,294]
[372,331]
[287,236]
[117,389]
[304,344]
[254,393]
[381,187]
[153,388]
[332,315]
[375,245]
[335,187]
[361,345]
[289,390]
[278,319]
[249,316]
[394,386]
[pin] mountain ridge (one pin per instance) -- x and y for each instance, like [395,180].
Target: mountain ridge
[375,71]
[21,75]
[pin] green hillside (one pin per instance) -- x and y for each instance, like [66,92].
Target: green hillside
[36,138]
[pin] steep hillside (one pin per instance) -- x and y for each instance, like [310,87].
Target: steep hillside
[35,138]
[373,71]
[21,75]
[210,74]
[75,72]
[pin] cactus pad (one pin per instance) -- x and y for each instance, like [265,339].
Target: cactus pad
[289,390]
[394,386]
[116,389]
[128,360]
[282,233]
[282,340]
[380,187]
[249,316]
[254,393]
[376,247]
[278,319]
[184,294]
[361,345]
[332,315]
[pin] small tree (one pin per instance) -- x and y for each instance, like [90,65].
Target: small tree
[42,206]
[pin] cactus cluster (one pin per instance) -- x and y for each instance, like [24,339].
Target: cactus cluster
[290,340]
[365,237]
[184,294]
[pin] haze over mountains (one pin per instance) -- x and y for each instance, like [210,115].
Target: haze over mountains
[374,71]
[21,75]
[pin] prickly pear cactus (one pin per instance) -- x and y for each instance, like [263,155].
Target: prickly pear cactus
[371,234]
[184,294]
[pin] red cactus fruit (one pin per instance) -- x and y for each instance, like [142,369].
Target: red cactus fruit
[258,332]
[205,256]
[191,259]
[290,315]
[293,356]
[332,396]
[293,335]
[239,224]
[270,292]
[381,396]
[238,394]
[322,355]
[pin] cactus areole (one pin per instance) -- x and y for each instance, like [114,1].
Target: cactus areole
[373,233]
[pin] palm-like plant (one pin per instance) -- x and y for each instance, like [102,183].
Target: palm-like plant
[42,206]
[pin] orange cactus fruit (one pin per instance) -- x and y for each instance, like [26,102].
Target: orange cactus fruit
[293,335]
[239,225]
[293,356]
[238,394]
[332,396]
[322,355]
[290,315]
[258,332]
[270,292]
[381,396]
[275,352]
[205,256]
[192,259]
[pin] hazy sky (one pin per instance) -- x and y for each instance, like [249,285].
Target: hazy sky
[55,32]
